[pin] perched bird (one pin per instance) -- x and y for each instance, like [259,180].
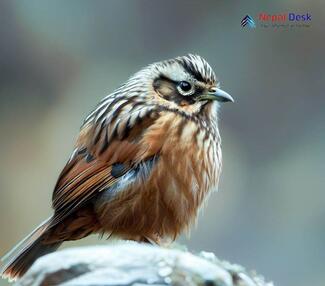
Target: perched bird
[145,160]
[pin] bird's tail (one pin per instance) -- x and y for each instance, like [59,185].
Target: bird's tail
[22,256]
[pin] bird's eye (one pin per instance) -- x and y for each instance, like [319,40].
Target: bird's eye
[185,88]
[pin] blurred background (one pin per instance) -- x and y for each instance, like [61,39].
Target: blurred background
[59,58]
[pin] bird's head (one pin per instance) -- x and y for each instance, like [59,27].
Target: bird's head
[187,84]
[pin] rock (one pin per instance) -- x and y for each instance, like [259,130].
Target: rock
[135,264]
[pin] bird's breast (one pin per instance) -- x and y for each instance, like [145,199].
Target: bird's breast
[190,159]
[168,199]
[188,167]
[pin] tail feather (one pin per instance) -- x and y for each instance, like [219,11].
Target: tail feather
[17,261]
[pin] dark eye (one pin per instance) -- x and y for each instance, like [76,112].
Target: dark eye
[185,88]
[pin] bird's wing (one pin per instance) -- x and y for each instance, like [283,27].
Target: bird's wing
[103,154]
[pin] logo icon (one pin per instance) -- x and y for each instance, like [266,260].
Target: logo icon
[248,21]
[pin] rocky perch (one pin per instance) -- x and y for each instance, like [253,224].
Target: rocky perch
[136,264]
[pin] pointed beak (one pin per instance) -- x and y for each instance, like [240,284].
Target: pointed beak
[218,95]
[221,96]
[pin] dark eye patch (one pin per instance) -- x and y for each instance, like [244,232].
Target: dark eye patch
[167,89]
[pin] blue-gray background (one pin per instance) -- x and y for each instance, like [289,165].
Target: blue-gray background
[58,58]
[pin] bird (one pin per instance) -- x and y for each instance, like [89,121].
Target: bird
[144,163]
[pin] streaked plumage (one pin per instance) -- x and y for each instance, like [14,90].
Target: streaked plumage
[144,162]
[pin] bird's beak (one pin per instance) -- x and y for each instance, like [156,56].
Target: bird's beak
[218,95]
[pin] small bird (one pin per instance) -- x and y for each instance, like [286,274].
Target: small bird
[145,160]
